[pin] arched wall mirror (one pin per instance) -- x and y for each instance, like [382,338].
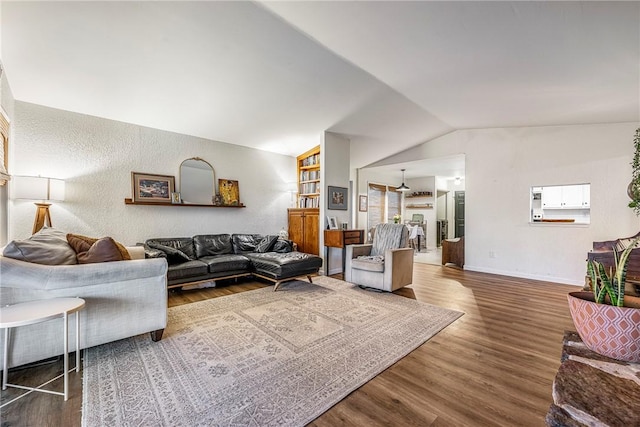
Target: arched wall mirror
[197,179]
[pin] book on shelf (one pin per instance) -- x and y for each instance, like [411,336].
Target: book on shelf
[308,202]
[309,175]
[309,187]
[311,160]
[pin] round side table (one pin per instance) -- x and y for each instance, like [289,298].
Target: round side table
[28,313]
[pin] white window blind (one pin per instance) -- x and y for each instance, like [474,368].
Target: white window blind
[383,203]
[394,199]
[376,204]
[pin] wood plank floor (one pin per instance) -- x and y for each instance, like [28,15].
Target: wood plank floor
[492,367]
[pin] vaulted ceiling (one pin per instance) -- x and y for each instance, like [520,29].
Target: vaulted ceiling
[275,75]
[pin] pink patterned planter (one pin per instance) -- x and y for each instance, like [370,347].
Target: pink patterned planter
[610,331]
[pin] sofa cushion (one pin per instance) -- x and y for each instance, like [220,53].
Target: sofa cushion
[91,240]
[212,244]
[227,262]
[368,263]
[282,246]
[174,256]
[189,269]
[284,265]
[266,244]
[102,250]
[243,243]
[183,244]
[149,252]
[48,246]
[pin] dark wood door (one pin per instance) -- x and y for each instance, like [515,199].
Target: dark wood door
[459,213]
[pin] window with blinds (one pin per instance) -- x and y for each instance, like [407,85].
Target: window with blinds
[383,203]
[4,147]
[394,201]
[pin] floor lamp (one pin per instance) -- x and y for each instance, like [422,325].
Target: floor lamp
[38,188]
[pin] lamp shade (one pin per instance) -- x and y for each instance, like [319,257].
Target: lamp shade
[403,187]
[56,189]
[37,188]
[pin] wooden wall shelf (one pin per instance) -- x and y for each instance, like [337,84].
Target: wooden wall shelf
[131,202]
[418,194]
[418,206]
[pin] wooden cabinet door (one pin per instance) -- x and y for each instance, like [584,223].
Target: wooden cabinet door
[311,238]
[303,229]
[296,227]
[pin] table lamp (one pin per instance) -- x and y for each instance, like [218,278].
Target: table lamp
[38,188]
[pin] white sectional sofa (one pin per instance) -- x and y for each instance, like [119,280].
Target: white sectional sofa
[123,299]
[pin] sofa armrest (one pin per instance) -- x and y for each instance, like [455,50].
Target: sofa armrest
[354,251]
[398,267]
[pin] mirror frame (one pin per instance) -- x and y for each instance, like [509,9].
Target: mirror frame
[213,172]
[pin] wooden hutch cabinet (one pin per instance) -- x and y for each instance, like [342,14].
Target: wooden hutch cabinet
[304,221]
[304,226]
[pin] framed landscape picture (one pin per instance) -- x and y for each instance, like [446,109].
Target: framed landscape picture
[152,188]
[337,198]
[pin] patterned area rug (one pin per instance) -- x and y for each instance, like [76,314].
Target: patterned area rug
[258,358]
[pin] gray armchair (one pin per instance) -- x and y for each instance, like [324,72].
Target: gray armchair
[385,264]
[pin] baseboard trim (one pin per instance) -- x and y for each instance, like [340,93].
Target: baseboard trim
[551,279]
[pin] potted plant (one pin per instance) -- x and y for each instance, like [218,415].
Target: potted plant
[608,321]
[633,189]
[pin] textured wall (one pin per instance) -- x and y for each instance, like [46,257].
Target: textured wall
[7,102]
[96,157]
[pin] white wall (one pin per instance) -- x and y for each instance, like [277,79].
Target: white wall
[501,166]
[334,171]
[96,157]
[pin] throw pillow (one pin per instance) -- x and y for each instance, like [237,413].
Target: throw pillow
[174,256]
[48,246]
[91,240]
[102,250]
[266,244]
[282,246]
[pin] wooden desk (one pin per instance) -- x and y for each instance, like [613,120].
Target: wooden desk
[340,239]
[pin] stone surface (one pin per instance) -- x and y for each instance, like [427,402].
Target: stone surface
[591,390]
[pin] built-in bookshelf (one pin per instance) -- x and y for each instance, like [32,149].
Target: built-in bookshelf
[309,179]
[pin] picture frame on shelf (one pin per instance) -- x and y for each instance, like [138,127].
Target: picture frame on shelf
[175,198]
[337,198]
[229,192]
[333,223]
[362,203]
[151,188]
